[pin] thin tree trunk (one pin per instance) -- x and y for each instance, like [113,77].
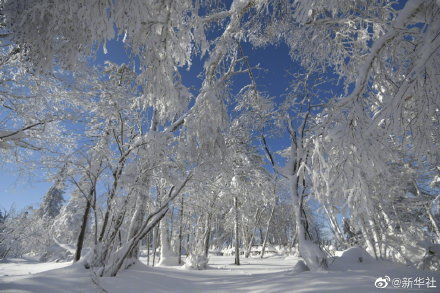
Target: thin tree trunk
[148,248]
[170,236]
[154,244]
[82,233]
[95,218]
[237,241]
[180,231]
[207,236]
[334,225]
[116,176]
[367,238]
[376,237]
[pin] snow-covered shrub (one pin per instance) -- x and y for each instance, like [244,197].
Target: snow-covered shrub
[282,250]
[431,260]
[196,262]
[409,245]
[28,234]
[228,251]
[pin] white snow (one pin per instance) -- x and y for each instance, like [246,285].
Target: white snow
[16,268]
[272,274]
[353,255]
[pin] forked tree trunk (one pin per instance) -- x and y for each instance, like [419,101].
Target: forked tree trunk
[251,239]
[136,221]
[128,247]
[116,175]
[115,263]
[263,248]
[249,246]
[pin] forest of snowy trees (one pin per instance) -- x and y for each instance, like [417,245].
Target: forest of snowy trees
[139,161]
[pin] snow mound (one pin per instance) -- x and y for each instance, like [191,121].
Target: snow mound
[300,267]
[356,254]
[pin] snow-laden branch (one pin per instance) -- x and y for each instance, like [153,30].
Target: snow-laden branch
[397,25]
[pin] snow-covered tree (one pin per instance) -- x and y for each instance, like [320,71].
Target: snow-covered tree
[361,118]
[52,202]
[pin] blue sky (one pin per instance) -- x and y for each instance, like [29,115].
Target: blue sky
[21,191]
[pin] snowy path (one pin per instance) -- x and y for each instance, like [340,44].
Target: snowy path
[254,275]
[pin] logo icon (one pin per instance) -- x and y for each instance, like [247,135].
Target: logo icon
[382,282]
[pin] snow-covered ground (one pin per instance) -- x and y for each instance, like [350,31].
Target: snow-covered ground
[272,274]
[17,268]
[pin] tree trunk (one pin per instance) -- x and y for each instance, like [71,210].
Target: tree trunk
[179,260]
[263,248]
[121,255]
[252,232]
[136,221]
[249,246]
[368,241]
[434,223]
[118,258]
[155,231]
[309,251]
[148,248]
[237,241]
[117,173]
[334,225]
[207,238]
[167,256]
[376,237]
[171,230]
[82,233]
